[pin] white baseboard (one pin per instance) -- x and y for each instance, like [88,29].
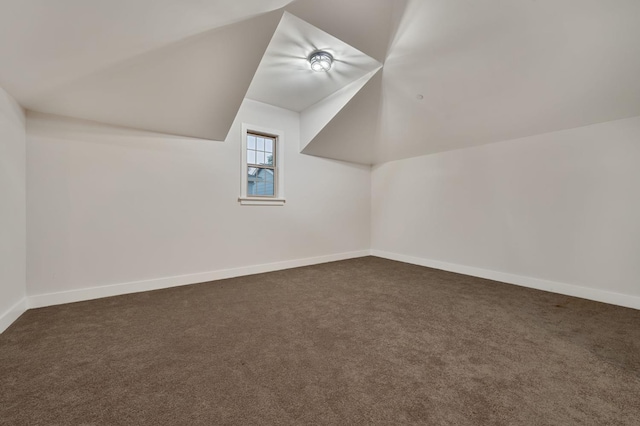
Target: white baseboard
[13,313]
[50,299]
[58,298]
[523,281]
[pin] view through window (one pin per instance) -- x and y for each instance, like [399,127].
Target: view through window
[261,161]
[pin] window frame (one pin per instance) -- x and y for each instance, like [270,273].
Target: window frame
[277,199]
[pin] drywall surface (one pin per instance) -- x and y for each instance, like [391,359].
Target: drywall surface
[12,209]
[562,207]
[109,206]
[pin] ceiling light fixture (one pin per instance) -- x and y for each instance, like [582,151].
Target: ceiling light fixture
[320,60]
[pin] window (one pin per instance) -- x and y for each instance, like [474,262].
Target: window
[261,167]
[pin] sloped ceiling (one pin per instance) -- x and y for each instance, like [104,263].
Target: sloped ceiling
[190,88]
[284,77]
[367,25]
[45,44]
[315,119]
[487,70]
[352,133]
[496,70]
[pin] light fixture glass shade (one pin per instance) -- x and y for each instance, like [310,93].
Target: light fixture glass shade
[320,61]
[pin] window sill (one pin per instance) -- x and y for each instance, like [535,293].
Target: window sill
[256,201]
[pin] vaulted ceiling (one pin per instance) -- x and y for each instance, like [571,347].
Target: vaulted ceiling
[455,73]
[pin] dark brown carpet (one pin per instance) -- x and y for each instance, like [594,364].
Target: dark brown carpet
[364,341]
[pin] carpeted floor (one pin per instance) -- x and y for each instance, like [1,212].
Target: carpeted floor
[364,341]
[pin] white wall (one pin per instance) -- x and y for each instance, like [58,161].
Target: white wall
[559,211]
[111,206]
[12,210]
[114,210]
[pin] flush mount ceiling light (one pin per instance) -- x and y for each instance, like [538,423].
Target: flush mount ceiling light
[320,60]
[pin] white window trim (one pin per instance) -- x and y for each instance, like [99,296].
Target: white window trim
[278,199]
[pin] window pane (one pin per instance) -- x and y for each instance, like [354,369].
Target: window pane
[260,144]
[260,182]
[261,158]
[251,157]
[268,145]
[269,176]
[269,188]
[251,142]
[252,180]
